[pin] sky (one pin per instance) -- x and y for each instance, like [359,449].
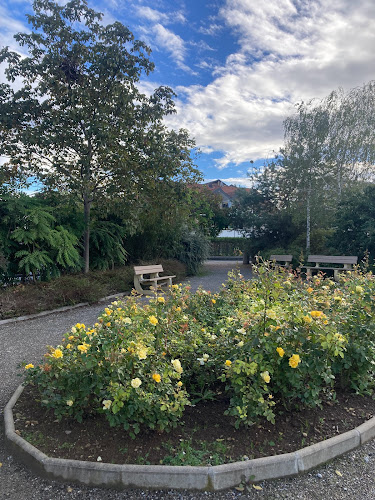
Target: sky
[238,67]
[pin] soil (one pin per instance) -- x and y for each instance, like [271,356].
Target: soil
[205,437]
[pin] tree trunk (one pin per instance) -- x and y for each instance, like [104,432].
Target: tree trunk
[308,220]
[86,236]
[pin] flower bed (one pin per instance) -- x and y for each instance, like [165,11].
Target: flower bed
[272,343]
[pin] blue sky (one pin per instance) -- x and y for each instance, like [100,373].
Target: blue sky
[238,66]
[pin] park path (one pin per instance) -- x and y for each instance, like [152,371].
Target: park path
[26,341]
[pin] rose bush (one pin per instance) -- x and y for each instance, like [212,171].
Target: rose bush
[276,341]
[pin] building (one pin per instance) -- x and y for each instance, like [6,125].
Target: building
[222,190]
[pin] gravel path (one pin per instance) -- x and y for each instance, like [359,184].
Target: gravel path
[349,477]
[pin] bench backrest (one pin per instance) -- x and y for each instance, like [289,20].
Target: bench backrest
[283,258]
[333,259]
[139,270]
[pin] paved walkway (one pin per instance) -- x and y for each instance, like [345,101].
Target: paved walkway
[26,341]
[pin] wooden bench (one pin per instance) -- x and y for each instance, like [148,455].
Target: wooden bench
[282,260]
[347,262]
[149,275]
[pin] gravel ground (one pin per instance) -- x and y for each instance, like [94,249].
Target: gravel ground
[351,476]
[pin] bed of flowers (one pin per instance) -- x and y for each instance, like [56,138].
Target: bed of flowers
[271,344]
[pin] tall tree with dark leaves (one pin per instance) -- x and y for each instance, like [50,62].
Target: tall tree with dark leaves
[80,121]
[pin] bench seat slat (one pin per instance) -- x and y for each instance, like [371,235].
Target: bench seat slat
[333,259]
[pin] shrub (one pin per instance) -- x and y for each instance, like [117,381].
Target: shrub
[275,342]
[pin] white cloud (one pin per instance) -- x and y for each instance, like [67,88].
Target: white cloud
[172,43]
[289,51]
[151,14]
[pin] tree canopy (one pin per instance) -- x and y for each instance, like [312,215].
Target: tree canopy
[80,121]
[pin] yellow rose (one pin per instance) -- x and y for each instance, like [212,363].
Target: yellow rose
[30,365]
[228,362]
[294,361]
[213,301]
[270,313]
[266,377]
[156,377]
[83,347]
[177,365]
[153,320]
[69,402]
[135,382]
[280,351]
[316,314]
[179,384]
[359,289]
[57,353]
[161,300]
[309,290]
[178,309]
[107,403]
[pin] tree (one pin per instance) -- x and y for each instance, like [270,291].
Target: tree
[305,173]
[256,214]
[80,121]
[355,232]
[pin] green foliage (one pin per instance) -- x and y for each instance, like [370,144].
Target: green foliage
[79,121]
[44,250]
[107,245]
[270,343]
[194,248]
[227,246]
[354,233]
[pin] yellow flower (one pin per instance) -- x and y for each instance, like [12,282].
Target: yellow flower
[71,337]
[309,290]
[280,351]
[175,287]
[179,384]
[142,353]
[127,321]
[213,301]
[337,298]
[107,404]
[30,365]
[270,313]
[69,402]
[228,362]
[240,344]
[135,382]
[270,396]
[153,320]
[266,377]
[68,346]
[294,361]
[316,314]
[108,324]
[359,289]
[156,377]
[57,353]
[178,309]
[307,319]
[161,300]
[339,337]
[83,347]
[176,363]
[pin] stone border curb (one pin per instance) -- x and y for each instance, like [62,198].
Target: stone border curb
[62,309]
[210,478]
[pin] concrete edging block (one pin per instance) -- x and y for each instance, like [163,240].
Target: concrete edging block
[367,430]
[322,452]
[228,475]
[210,478]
